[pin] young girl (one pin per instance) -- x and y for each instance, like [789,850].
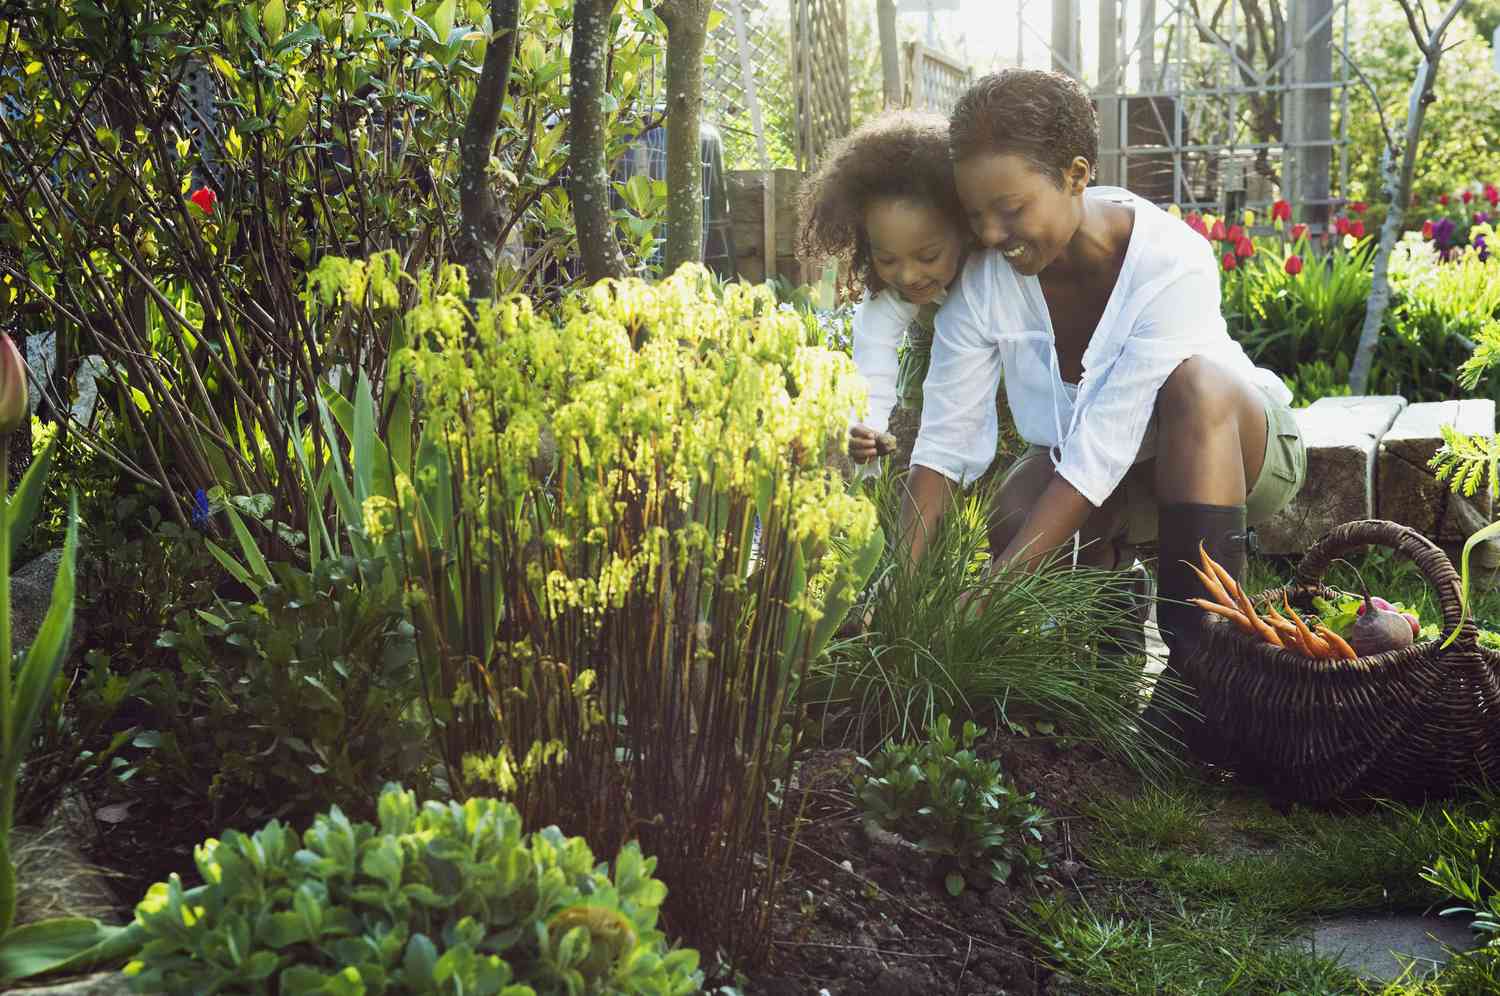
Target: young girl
[884,202]
[1102,312]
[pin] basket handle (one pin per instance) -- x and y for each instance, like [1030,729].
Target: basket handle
[1428,556]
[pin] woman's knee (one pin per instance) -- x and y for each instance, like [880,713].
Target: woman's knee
[1198,391]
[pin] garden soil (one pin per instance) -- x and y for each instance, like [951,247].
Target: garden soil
[862,913]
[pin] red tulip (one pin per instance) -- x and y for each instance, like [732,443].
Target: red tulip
[14,406]
[1235,233]
[205,198]
[1467,195]
[1217,232]
[1294,265]
[1244,247]
[1492,194]
[1357,229]
[1229,261]
[1427,230]
[1298,230]
[1443,199]
[1341,225]
[1358,207]
[1281,211]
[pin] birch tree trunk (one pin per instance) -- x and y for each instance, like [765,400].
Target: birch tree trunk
[590,175]
[687,32]
[481,210]
[1397,179]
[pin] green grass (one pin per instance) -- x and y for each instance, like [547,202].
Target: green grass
[1201,888]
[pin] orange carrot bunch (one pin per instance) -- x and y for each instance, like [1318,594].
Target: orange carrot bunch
[1288,631]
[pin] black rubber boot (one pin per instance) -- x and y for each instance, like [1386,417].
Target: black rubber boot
[1181,526]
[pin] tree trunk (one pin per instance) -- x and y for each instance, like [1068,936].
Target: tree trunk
[890,53]
[590,177]
[481,212]
[1398,193]
[687,31]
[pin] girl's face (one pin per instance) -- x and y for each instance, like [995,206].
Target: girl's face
[1020,210]
[915,248]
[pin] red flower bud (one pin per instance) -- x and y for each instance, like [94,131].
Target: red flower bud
[1443,199]
[1217,232]
[14,407]
[1467,195]
[1358,207]
[1427,229]
[1229,261]
[1294,265]
[1298,230]
[1244,247]
[1235,233]
[1357,229]
[1492,194]
[1341,225]
[205,198]
[1281,211]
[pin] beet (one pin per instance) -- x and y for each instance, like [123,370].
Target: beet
[1378,630]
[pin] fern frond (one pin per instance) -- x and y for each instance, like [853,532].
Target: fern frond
[1467,462]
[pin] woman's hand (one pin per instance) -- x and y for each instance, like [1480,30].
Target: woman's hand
[865,444]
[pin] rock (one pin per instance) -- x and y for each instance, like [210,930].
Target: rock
[102,984]
[1406,491]
[1342,436]
[1369,945]
[898,981]
[30,597]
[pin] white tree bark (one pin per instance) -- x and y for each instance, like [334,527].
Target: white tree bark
[1397,178]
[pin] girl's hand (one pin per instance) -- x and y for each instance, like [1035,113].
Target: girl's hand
[865,444]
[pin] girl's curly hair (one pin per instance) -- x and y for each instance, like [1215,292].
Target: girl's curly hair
[899,155]
[1045,117]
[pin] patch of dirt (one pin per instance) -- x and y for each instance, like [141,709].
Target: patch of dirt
[858,915]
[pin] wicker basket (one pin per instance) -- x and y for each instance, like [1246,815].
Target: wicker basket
[1411,723]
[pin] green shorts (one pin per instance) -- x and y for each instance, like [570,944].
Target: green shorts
[1281,476]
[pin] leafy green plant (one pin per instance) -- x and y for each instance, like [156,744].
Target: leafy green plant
[939,794]
[446,898]
[605,634]
[1029,660]
[305,695]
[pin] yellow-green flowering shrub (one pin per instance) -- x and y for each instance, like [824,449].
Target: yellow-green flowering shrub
[623,547]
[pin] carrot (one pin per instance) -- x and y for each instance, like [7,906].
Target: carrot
[1214,587]
[1233,615]
[1225,578]
[1338,643]
[1231,587]
[1315,645]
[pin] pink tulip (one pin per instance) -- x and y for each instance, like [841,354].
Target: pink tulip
[14,406]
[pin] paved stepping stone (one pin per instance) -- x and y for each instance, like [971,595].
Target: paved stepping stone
[1406,491]
[1378,946]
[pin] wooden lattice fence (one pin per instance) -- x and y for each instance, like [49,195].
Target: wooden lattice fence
[820,70]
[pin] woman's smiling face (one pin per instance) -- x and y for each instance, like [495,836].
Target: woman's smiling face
[1015,207]
[914,248]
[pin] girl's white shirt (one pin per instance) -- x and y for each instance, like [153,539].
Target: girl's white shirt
[1165,308]
[878,327]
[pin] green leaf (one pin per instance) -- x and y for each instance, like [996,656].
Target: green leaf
[45,655]
[20,510]
[49,945]
[247,546]
[1491,530]
[442,18]
[954,882]
[273,19]
[234,567]
[418,963]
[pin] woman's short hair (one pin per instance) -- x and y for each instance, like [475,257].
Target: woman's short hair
[1044,117]
[897,155]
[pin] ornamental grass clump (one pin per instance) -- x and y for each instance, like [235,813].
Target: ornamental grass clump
[623,547]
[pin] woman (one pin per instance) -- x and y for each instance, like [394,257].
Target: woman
[1102,312]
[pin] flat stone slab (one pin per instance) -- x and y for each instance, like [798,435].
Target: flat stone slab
[1406,491]
[1342,436]
[1378,946]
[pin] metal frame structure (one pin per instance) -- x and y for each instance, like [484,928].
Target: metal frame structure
[1174,104]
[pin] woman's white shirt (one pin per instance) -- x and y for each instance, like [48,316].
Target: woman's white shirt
[1164,309]
[878,327]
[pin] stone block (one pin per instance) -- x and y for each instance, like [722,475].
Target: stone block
[1342,436]
[1406,491]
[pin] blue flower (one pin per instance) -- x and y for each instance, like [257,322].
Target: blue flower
[201,510]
